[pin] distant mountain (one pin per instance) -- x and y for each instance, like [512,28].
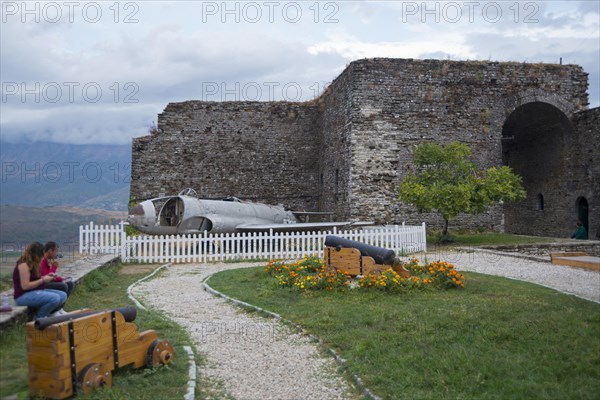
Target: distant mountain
[46,174]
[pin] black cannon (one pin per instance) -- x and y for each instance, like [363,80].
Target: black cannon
[356,258]
[76,352]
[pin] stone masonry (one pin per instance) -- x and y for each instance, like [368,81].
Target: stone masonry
[347,150]
[258,151]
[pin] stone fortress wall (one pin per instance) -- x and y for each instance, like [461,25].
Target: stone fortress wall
[347,150]
[258,151]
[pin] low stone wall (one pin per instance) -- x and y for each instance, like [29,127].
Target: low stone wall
[592,247]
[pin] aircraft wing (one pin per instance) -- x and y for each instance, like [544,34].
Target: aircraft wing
[301,226]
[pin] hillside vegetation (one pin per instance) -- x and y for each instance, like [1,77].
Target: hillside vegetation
[21,225]
[46,174]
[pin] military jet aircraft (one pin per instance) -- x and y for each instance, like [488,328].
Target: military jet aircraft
[185,213]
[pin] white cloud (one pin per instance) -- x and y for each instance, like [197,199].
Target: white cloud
[79,124]
[176,49]
[353,48]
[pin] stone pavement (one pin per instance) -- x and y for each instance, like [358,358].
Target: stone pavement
[75,270]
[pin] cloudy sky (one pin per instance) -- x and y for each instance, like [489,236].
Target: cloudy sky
[100,72]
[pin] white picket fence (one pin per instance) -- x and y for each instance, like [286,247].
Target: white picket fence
[197,248]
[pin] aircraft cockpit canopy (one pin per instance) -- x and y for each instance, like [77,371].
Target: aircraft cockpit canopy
[171,212]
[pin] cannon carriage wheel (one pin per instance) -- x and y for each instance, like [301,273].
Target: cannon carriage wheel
[93,376]
[159,352]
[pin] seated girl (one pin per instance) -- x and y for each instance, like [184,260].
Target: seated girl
[30,286]
[49,266]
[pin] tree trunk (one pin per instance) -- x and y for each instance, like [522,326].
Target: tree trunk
[445,231]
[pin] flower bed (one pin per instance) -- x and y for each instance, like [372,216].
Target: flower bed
[307,273]
[310,273]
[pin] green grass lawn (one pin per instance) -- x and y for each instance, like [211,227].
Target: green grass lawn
[495,339]
[101,290]
[7,264]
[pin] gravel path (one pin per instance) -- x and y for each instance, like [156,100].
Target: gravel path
[578,281]
[258,358]
[250,356]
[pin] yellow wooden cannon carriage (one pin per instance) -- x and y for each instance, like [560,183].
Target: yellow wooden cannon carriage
[76,352]
[356,258]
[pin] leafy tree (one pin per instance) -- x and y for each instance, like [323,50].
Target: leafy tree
[447,181]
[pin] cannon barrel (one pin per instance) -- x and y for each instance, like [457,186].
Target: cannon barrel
[129,313]
[379,254]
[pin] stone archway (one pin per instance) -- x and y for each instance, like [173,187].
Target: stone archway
[583,213]
[534,138]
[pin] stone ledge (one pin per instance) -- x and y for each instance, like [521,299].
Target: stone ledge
[591,247]
[577,259]
[76,270]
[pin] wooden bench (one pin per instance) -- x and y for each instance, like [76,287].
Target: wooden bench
[576,259]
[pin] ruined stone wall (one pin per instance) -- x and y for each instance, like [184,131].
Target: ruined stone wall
[402,103]
[583,170]
[260,151]
[536,143]
[348,150]
[335,158]
[559,165]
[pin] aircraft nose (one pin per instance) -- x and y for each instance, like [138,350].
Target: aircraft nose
[137,210]
[143,214]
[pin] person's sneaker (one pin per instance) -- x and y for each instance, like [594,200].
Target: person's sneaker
[57,313]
